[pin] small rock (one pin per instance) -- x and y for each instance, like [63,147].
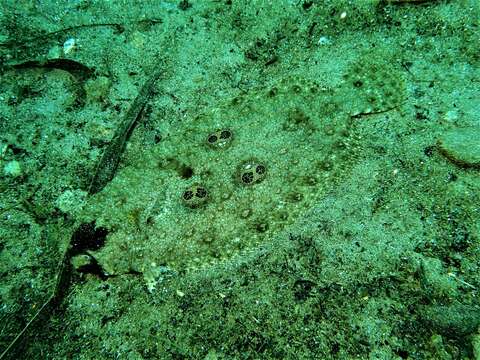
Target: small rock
[324,41]
[435,281]
[81,261]
[12,168]
[462,146]
[69,45]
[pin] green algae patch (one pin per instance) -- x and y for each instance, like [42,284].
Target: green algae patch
[462,146]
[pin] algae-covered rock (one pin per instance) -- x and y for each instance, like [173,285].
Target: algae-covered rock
[462,146]
[455,320]
[435,281]
[12,168]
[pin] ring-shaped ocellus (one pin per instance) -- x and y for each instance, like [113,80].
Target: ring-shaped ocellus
[220,139]
[195,196]
[252,172]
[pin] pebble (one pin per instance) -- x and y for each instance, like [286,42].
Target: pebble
[12,168]
[69,45]
[462,146]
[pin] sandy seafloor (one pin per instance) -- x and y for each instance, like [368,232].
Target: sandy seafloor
[302,181]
